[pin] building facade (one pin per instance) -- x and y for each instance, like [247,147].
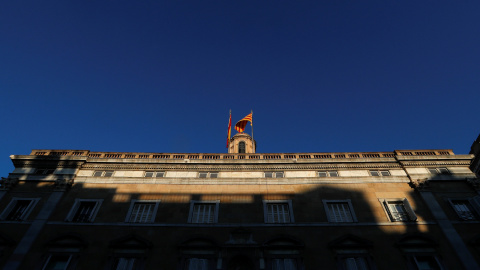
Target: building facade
[78,209]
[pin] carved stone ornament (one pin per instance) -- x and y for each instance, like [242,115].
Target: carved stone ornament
[63,184]
[8,183]
[420,184]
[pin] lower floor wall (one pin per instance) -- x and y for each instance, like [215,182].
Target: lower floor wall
[237,247]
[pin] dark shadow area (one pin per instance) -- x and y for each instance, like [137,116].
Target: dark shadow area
[256,226]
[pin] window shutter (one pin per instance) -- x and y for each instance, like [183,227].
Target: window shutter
[409,210]
[475,202]
[73,210]
[361,263]
[350,264]
[290,264]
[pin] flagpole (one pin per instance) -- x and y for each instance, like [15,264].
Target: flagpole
[253,141]
[229,130]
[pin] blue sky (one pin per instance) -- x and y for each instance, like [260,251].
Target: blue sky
[161,76]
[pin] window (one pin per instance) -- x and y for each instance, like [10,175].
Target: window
[354,263]
[44,171]
[199,254]
[439,170]
[19,209]
[352,253]
[283,253]
[426,262]
[124,263]
[142,211]
[129,253]
[420,251]
[154,174]
[465,208]
[57,262]
[379,173]
[274,174]
[103,173]
[197,264]
[203,212]
[284,264]
[339,211]
[399,210]
[208,175]
[241,147]
[84,210]
[278,211]
[328,174]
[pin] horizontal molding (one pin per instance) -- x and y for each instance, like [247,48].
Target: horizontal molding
[228,225]
[242,181]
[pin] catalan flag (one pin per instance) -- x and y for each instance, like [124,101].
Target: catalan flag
[240,125]
[229,129]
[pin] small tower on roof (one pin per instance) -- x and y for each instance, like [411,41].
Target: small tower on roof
[242,143]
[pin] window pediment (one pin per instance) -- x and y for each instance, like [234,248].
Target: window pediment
[131,242]
[350,242]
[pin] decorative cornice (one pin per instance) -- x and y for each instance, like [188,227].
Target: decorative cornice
[240,167]
[434,163]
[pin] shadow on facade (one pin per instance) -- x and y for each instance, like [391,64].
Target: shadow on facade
[317,234]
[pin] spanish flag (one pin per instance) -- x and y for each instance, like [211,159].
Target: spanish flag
[229,129]
[240,125]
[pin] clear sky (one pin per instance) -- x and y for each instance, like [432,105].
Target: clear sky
[161,76]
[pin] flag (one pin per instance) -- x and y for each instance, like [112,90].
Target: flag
[229,129]
[240,125]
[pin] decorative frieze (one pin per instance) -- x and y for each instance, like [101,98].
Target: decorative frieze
[241,167]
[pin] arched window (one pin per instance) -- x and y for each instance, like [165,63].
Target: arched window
[241,147]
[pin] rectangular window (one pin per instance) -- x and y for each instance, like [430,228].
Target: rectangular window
[284,264]
[439,170]
[84,210]
[379,173]
[197,264]
[103,173]
[124,263]
[57,262]
[208,175]
[274,174]
[154,174]
[339,211]
[18,209]
[464,208]
[142,211]
[278,211]
[328,174]
[399,210]
[203,212]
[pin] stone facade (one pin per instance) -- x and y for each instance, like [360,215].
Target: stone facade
[77,209]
